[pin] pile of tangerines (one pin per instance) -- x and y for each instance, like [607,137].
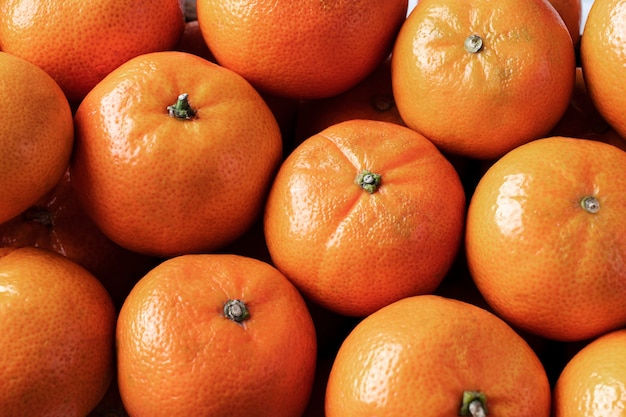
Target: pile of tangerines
[312,208]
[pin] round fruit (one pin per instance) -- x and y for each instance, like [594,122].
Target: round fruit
[545,234]
[165,164]
[301,49]
[79,42]
[364,213]
[603,60]
[481,77]
[430,355]
[57,222]
[56,335]
[215,335]
[36,134]
[571,11]
[593,383]
[371,99]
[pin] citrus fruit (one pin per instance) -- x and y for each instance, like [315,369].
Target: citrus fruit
[571,11]
[191,41]
[545,235]
[465,73]
[215,335]
[593,382]
[370,99]
[57,327]
[603,58]
[301,49]
[36,134]
[78,42]
[364,213]
[165,164]
[435,356]
[58,223]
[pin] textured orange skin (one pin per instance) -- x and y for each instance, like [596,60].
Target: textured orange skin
[78,43]
[540,260]
[301,49]
[603,55]
[162,186]
[57,327]
[371,99]
[483,104]
[58,223]
[178,355]
[36,134]
[418,355]
[353,252]
[593,383]
[571,11]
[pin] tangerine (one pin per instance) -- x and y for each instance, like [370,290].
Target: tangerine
[431,355]
[36,134]
[167,165]
[301,49]
[465,73]
[602,56]
[544,235]
[215,335]
[57,327]
[58,223]
[78,43]
[593,382]
[364,213]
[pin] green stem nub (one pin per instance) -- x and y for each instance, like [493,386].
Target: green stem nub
[590,204]
[236,311]
[474,404]
[181,109]
[368,181]
[473,44]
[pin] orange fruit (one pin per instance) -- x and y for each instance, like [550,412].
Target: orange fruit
[214,335]
[78,43]
[602,60]
[544,236]
[364,213]
[465,73]
[571,11]
[435,356]
[36,134]
[370,99]
[191,41]
[56,335]
[165,184]
[593,382]
[58,223]
[305,49]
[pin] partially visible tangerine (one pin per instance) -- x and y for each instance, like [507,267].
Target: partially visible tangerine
[36,134]
[603,59]
[435,356]
[57,325]
[301,49]
[593,382]
[78,43]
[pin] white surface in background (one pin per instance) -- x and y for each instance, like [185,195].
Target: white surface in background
[586,6]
